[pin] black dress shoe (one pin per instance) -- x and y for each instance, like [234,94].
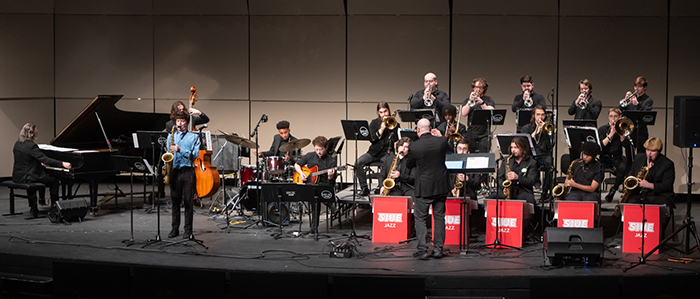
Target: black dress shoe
[364,192]
[438,253]
[421,255]
[609,197]
[173,233]
[188,235]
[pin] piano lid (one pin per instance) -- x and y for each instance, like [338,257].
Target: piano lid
[84,131]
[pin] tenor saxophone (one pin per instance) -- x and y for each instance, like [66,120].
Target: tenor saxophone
[561,191]
[168,159]
[507,183]
[389,183]
[631,183]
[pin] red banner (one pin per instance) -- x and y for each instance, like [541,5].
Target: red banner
[392,219]
[632,232]
[510,222]
[580,214]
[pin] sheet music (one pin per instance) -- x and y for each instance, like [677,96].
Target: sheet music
[134,137]
[207,137]
[477,162]
[49,147]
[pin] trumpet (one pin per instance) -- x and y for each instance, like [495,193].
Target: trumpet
[627,100]
[583,103]
[390,121]
[427,100]
[472,99]
[527,99]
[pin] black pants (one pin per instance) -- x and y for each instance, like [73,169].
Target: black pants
[619,167]
[421,206]
[182,187]
[50,182]
[580,195]
[363,161]
[547,167]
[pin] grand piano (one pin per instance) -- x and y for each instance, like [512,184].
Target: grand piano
[92,162]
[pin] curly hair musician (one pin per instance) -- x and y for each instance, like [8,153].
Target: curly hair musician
[182,187]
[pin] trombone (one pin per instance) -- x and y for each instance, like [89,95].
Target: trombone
[624,126]
[549,126]
[455,136]
[390,121]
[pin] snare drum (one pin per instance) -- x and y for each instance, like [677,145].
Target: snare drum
[248,173]
[275,165]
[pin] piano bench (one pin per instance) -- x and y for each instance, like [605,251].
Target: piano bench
[31,188]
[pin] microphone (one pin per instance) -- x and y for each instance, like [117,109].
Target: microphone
[202,127]
[264,118]
[410,97]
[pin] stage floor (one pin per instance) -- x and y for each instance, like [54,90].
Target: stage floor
[36,251]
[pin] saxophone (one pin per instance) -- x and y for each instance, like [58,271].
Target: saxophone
[389,183]
[168,159]
[631,183]
[507,183]
[561,191]
[458,186]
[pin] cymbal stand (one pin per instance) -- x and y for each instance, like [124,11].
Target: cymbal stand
[222,190]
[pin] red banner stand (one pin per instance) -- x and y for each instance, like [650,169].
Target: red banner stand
[511,214]
[391,218]
[632,227]
[581,214]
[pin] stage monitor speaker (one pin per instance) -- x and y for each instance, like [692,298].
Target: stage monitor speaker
[574,246]
[274,213]
[686,132]
[68,210]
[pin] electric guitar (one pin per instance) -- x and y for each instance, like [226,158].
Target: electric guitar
[312,174]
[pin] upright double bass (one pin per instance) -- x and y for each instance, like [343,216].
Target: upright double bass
[207,176]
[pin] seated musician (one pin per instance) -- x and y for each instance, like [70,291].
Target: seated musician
[523,171]
[450,126]
[279,140]
[182,181]
[198,117]
[318,158]
[30,162]
[403,178]
[470,182]
[535,99]
[543,146]
[381,146]
[587,175]
[658,183]
[611,155]
[478,135]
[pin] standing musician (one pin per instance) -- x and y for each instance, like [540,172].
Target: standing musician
[587,175]
[185,148]
[30,162]
[198,117]
[318,158]
[585,106]
[478,135]
[543,146]
[523,171]
[638,101]
[278,141]
[611,155]
[470,182]
[431,97]
[519,102]
[402,175]
[427,154]
[383,137]
[451,126]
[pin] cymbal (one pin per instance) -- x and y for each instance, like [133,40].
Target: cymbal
[239,141]
[293,145]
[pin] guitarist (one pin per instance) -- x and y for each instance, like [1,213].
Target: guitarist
[318,158]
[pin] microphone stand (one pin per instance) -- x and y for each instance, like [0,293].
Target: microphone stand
[497,241]
[258,178]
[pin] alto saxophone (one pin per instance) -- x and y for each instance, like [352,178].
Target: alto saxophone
[389,183]
[561,191]
[507,183]
[631,183]
[168,159]
[458,186]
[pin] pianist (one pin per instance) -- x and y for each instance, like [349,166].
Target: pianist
[185,148]
[198,117]
[30,162]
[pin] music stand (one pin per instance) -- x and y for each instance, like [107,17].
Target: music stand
[408,133]
[580,123]
[522,117]
[640,119]
[577,136]
[503,142]
[414,115]
[128,164]
[146,140]
[355,130]
[495,117]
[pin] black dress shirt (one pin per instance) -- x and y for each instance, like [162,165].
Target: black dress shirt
[277,142]
[28,158]
[382,144]
[592,110]
[537,99]
[427,155]
[478,130]
[442,100]
[325,162]
[543,141]
[586,174]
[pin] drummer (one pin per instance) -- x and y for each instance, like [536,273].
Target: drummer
[278,141]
